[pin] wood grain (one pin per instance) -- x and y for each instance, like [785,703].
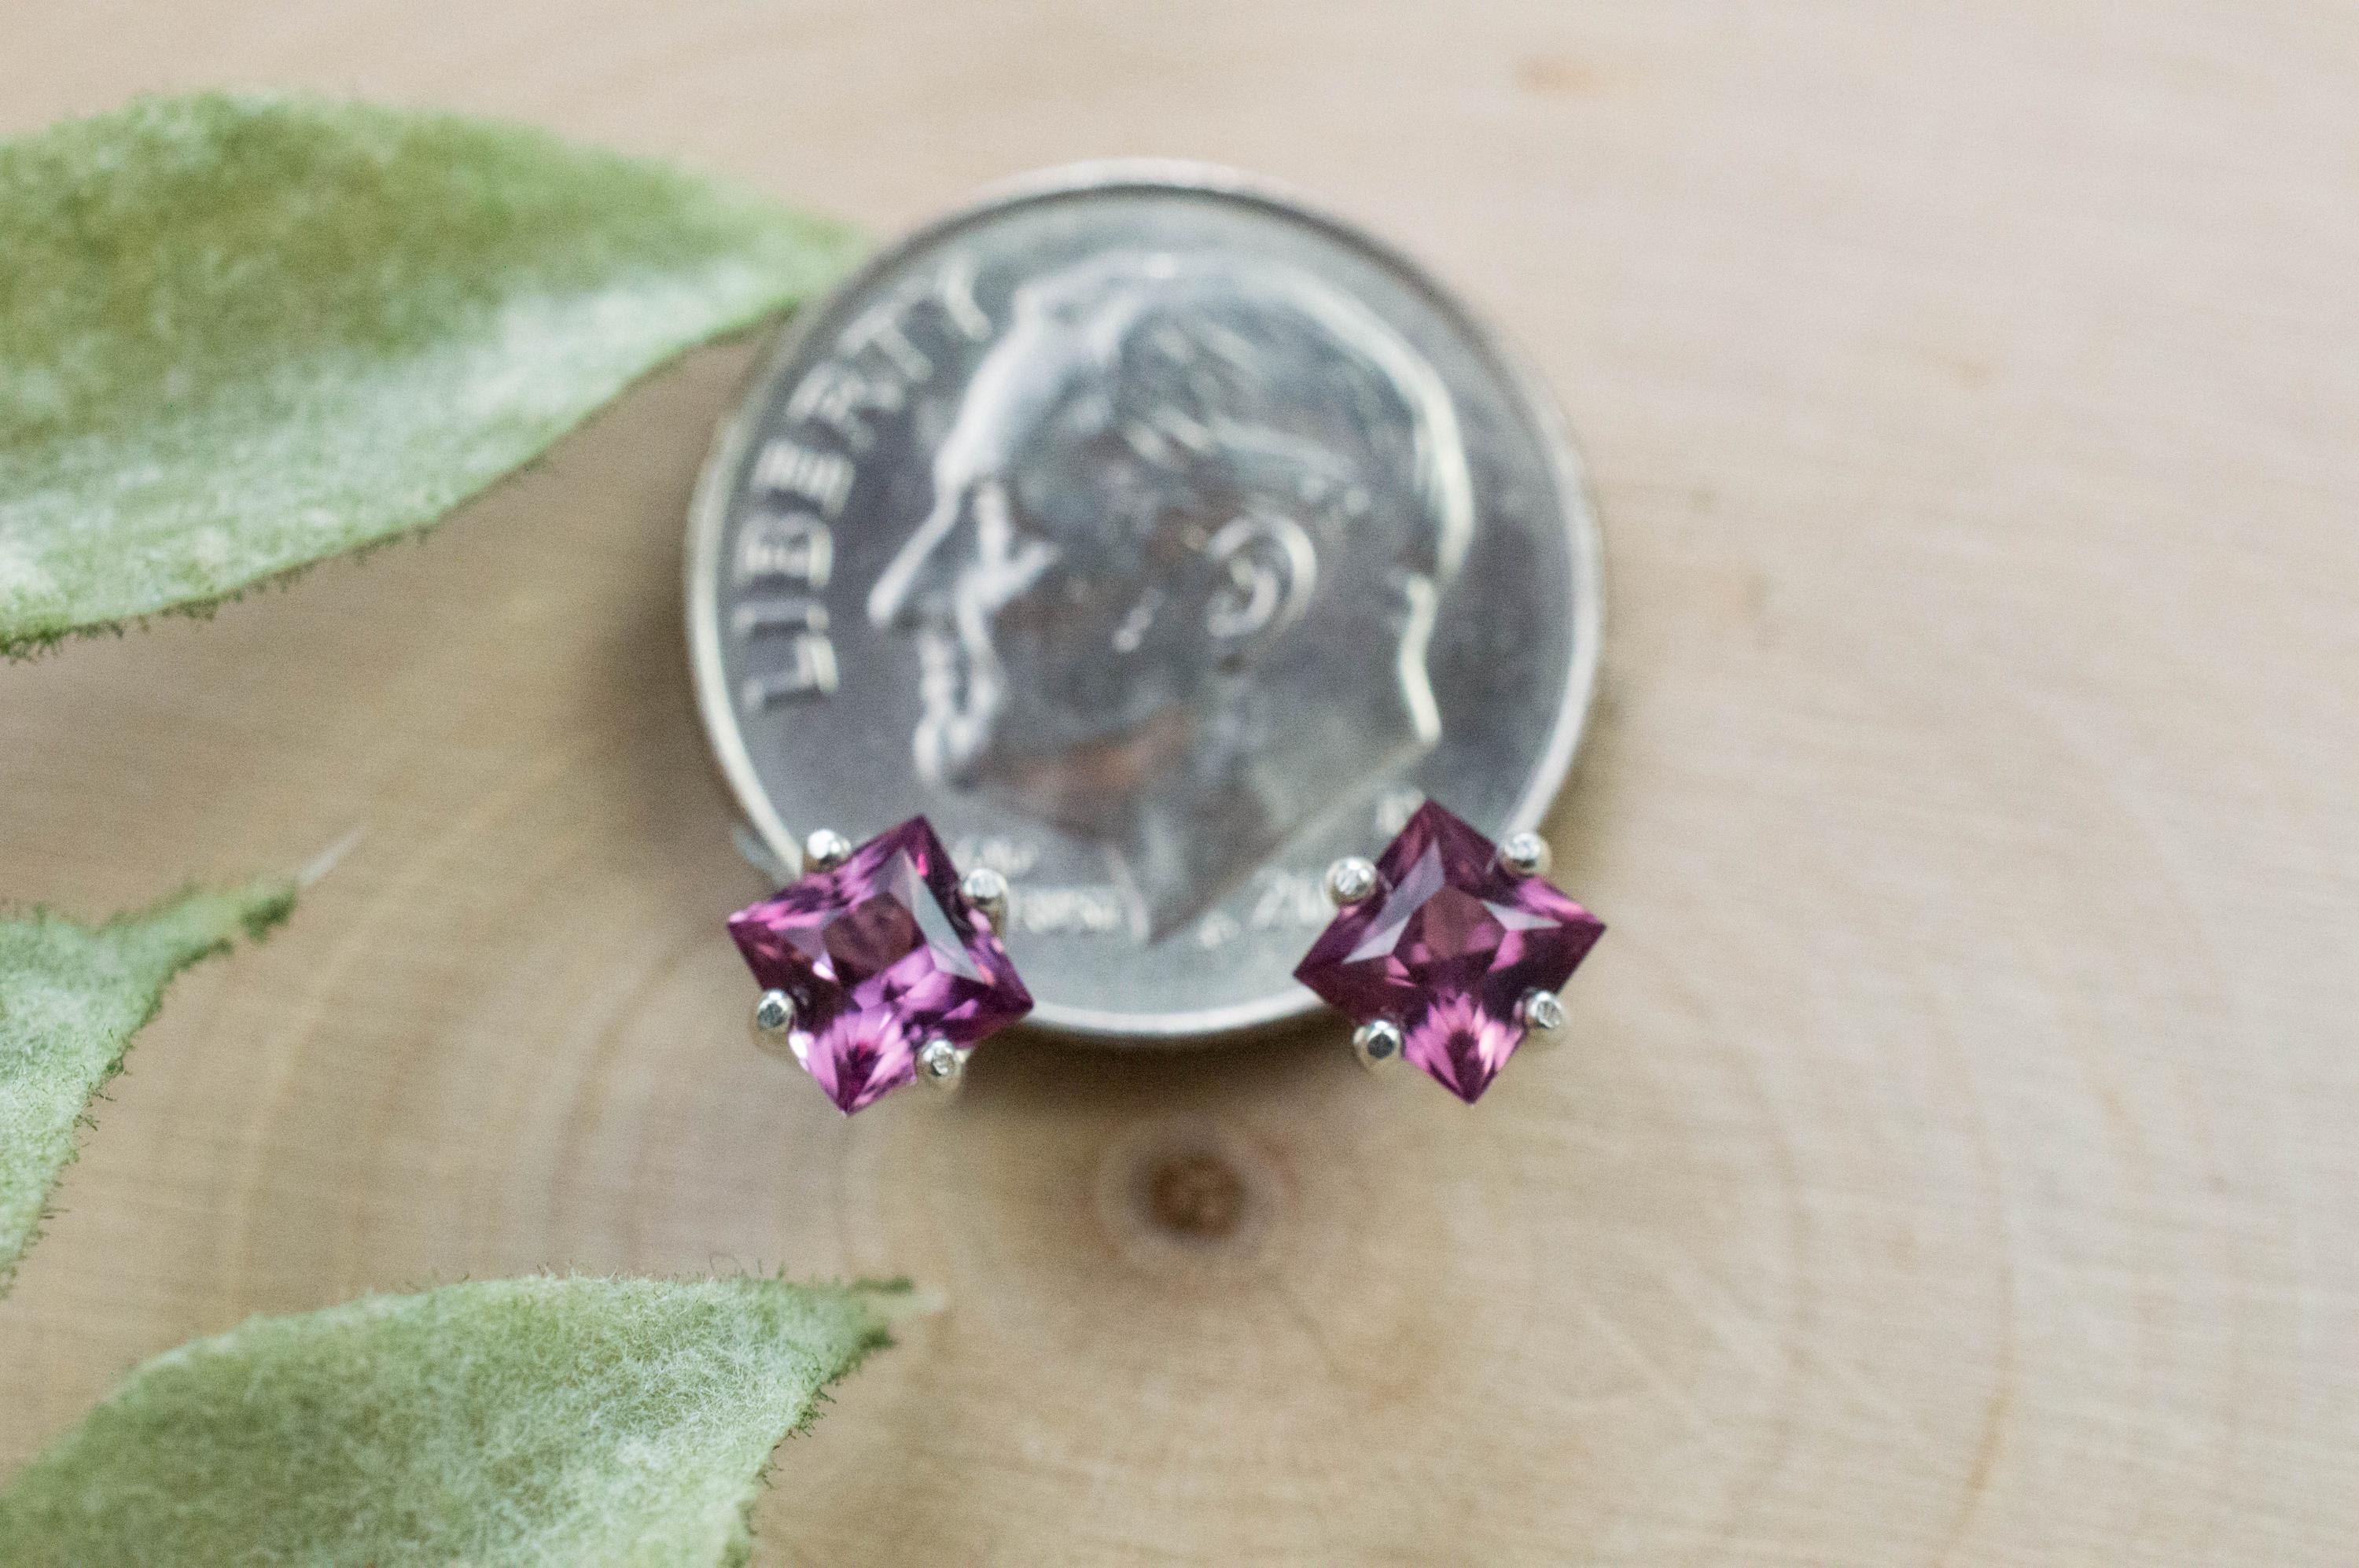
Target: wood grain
[1957,1163]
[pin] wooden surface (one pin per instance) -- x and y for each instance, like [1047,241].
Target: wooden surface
[1960,1161]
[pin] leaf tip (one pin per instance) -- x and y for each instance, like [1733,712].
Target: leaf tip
[900,1300]
[269,905]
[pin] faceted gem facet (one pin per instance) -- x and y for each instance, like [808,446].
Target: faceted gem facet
[881,954]
[1446,946]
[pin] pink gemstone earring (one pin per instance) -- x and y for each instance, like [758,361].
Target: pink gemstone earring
[881,963]
[1448,950]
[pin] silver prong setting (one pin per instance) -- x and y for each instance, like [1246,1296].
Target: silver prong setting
[1542,1015]
[824,849]
[987,890]
[941,1067]
[774,1022]
[1349,881]
[1378,1044]
[1525,854]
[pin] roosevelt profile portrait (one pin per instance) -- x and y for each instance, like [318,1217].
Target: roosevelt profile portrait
[1177,579]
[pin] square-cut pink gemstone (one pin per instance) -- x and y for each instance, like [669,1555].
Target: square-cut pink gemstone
[1446,947]
[880,954]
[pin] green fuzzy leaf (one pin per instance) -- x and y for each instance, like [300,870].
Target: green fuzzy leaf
[240,333]
[541,1421]
[70,998]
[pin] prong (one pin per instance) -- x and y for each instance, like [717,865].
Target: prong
[1542,1015]
[774,1023]
[1377,1044]
[1349,881]
[941,1066]
[1525,854]
[986,890]
[825,849]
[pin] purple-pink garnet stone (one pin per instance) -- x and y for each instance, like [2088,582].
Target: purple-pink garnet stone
[881,954]
[1446,947]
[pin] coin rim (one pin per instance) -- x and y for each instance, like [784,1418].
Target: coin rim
[707,520]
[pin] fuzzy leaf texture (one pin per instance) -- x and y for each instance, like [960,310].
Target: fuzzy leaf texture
[241,333]
[538,1420]
[70,998]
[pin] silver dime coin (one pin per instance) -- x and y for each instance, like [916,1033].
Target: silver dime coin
[1160,541]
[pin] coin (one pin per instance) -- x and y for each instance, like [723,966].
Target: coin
[1161,540]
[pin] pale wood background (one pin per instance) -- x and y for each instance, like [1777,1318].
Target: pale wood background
[1961,1160]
